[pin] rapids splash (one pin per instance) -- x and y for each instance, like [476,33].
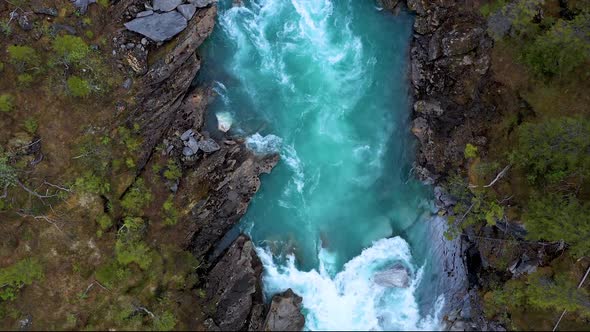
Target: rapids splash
[323,83]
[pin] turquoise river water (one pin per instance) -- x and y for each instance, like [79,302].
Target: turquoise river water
[324,83]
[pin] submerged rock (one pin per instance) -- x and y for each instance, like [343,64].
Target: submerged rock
[158,27]
[396,276]
[285,313]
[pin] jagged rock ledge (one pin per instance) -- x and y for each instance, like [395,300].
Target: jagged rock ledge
[219,177]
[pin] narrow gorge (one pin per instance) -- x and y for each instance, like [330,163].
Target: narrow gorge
[325,85]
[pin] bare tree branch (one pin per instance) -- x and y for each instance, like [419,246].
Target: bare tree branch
[58,187]
[499,176]
[24,214]
[32,192]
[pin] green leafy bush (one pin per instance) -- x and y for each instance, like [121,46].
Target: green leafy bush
[170,212]
[470,151]
[104,222]
[18,275]
[78,87]
[70,49]
[538,291]
[553,150]
[137,252]
[6,102]
[562,49]
[112,274]
[554,217]
[165,322]
[23,56]
[172,172]
[136,198]
[7,172]
[93,184]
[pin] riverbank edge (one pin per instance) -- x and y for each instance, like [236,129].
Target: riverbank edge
[450,59]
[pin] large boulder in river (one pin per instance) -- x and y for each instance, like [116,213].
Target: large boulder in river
[158,27]
[395,276]
[285,313]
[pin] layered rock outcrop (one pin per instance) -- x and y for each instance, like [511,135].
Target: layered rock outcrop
[220,176]
[450,59]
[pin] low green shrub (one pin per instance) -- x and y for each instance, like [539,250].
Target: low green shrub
[16,276]
[6,102]
[78,87]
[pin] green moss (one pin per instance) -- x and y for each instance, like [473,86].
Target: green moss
[31,125]
[24,80]
[470,151]
[78,87]
[103,3]
[16,276]
[1,66]
[6,102]
[491,7]
[70,49]
[89,34]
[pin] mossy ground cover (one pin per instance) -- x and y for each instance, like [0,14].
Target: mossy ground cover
[87,266]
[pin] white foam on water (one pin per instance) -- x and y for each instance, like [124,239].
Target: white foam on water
[224,121]
[290,157]
[350,300]
[268,144]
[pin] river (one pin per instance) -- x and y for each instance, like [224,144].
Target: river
[324,83]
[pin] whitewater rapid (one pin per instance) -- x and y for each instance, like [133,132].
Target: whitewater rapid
[323,84]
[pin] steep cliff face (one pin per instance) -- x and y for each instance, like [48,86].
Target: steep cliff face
[450,58]
[449,73]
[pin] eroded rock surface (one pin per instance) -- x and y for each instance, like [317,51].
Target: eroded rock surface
[233,286]
[285,313]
